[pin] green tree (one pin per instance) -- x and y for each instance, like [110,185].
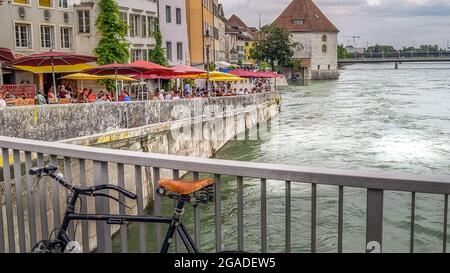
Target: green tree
[382,49]
[274,44]
[112,48]
[343,53]
[158,54]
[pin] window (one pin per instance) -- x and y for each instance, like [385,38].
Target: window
[324,48]
[135,25]
[124,17]
[216,33]
[151,26]
[178,13]
[329,67]
[136,55]
[84,21]
[168,14]
[23,35]
[144,27]
[169,50]
[180,51]
[22,2]
[47,37]
[145,54]
[66,37]
[324,38]
[318,67]
[63,4]
[46,3]
[298,22]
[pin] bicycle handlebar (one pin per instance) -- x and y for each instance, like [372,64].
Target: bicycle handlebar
[50,171]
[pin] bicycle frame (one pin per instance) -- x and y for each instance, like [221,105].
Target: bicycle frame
[174,223]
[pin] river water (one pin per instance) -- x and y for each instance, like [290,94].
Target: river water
[373,118]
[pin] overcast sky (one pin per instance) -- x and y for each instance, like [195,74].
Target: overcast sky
[396,22]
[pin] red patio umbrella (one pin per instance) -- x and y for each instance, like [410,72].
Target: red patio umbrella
[6,55]
[53,58]
[153,69]
[245,73]
[152,77]
[187,70]
[120,69]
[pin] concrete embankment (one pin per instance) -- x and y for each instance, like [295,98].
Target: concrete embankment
[59,122]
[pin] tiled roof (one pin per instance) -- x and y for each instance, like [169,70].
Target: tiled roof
[235,21]
[304,16]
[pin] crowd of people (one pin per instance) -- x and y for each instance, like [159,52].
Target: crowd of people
[85,95]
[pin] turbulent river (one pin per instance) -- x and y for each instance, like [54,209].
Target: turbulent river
[373,118]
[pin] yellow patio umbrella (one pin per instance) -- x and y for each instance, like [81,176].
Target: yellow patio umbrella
[211,75]
[227,79]
[57,69]
[82,77]
[117,77]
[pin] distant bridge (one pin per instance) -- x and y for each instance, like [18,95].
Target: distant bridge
[397,58]
[394,60]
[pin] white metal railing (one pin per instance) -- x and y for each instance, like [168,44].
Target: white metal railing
[20,154]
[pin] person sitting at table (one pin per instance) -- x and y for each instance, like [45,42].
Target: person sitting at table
[63,93]
[156,95]
[101,98]
[124,96]
[91,96]
[176,96]
[170,94]
[2,100]
[24,96]
[40,97]
[109,95]
[69,89]
[80,96]
[8,95]
[50,95]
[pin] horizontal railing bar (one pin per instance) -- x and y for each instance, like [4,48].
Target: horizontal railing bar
[346,178]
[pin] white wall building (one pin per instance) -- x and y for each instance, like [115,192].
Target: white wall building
[173,25]
[33,26]
[316,36]
[140,16]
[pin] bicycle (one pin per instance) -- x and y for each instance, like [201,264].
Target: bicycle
[184,192]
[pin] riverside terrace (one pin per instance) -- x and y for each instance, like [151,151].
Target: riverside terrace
[66,94]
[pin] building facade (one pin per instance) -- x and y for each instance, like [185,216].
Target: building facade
[141,16]
[200,19]
[239,41]
[173,25]
[219,33]
[33,26]
[316,36]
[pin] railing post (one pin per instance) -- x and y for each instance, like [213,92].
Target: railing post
[374,221]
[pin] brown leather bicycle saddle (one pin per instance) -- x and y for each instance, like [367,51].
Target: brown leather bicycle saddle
[185,187]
